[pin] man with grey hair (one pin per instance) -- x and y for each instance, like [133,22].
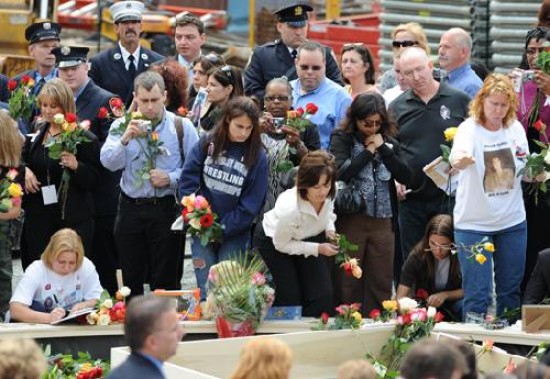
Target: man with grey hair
[422,113]
[430,359]
[312,86]
[150,153]
[153,332]
[455,49]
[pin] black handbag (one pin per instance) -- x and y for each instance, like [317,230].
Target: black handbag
[349,198]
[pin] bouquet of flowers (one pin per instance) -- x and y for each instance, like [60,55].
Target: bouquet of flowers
[412,324]
[347,317]
[299,118]
[10,192]
[72,134]
[109,310]
[202,222]
[350,265]
[65,366]
[537,165]
[22,99]
[238,296]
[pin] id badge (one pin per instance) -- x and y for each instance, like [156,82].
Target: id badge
[49,194]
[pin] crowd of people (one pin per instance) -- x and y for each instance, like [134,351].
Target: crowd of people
[210,130]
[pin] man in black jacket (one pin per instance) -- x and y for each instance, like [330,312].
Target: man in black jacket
[538,287]
[276,59]
[115,69]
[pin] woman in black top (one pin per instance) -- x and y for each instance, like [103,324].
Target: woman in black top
[43,177]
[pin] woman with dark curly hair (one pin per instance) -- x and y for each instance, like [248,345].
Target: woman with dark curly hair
[176,82]
[366,155]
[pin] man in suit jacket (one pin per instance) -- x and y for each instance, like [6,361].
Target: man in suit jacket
[538,287]
[153,332]
[276,59]
[72,63]
[115,69]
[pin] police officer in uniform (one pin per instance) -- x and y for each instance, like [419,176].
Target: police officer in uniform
[276,59]
[72,63]
[115,69]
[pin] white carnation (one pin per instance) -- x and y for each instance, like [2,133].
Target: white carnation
[125,291]
[432,312]
[407,304]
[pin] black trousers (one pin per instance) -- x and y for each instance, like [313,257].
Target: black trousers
[298,280]
[147,248]
[104,253]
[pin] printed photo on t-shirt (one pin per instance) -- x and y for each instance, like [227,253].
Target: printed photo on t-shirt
[500,170]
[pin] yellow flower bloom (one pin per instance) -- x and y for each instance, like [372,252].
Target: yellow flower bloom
[136,115]
[480,258]
[450,133]
[15,190]
[59,118]
[357,316]
[389,305]
[155,136]
[488,246]
[357,272]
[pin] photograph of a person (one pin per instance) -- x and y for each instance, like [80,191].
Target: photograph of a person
[499,170]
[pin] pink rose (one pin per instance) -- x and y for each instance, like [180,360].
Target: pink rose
[201,202]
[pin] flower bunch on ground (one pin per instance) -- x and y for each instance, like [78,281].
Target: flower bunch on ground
[299,118]
[202,222]
[65,366]
[238,294]
[350,265]
[347,317]
[412,323]
[22,99]
[10,192]
[110,310]
[389,309]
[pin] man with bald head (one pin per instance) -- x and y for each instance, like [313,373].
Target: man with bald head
[455,49]
[422,114]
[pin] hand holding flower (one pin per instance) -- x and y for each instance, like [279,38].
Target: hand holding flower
[159,178]
[327,249]
[68,160]
[437,299]
[132,131]
[292,135]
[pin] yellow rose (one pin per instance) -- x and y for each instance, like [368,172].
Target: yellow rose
[136,115]
[357,316]
[59,118]
[15,190]
[480,258]
[389,305]
[450,133]
[357,272]
[488,246]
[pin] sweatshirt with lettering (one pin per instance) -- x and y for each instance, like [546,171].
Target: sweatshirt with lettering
[235,192]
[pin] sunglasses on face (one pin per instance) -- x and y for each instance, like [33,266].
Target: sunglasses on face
[398,44]
[304,67]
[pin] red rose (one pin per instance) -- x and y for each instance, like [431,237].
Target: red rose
[324,317]
[439,317]
[116,102]
[207,220]
[421,294]
[12,85]
[103,113]
[70,118]
[311,108]
[374,314]
[407,318]
[25,79]
[539,125]
[300,111]
[184,215]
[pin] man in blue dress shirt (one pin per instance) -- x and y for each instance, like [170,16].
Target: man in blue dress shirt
[147,247]
[312,86]
[455,49]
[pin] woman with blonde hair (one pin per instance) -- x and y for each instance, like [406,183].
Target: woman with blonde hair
[21,359]
[403,36]
[62,281]
[497,214]
[43,177]
[11,169]
[264,358]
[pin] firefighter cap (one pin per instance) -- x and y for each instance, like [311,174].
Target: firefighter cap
[42,31]
[128,10]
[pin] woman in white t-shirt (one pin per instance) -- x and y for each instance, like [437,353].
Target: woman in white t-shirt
[490,150]
[62,281]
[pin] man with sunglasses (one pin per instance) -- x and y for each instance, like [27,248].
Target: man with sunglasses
[422,113]
[115,69]
[455,48]
[277,59]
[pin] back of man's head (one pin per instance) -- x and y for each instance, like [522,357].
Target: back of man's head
[141,317]
[433,360]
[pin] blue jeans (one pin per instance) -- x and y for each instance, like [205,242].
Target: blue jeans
[205,257]
[508,261]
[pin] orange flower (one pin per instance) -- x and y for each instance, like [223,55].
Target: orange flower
[155,136]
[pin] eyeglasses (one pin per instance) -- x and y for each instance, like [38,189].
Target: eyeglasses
[436,246]
[227,71]
[398,44]
[304,67]
[370,123]
[534,50]
[213,58]
[278,98]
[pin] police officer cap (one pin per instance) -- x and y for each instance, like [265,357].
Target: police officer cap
[294,14]
[127,11]
[70,56]
[42,31]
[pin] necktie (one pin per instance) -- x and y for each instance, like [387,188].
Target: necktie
[131,67]
[39,85]
[294,54]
